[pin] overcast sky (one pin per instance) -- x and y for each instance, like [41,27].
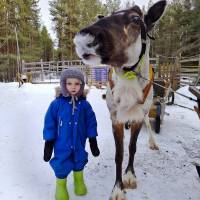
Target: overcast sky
[46,19]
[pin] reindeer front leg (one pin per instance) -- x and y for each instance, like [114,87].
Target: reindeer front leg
[129,179]
[118,190]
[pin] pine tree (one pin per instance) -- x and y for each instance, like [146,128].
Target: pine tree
[19,25]
[69,16]
[112,5]
[59,18]
[46,44]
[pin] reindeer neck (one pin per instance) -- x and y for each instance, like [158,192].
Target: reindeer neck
[143,50]
[139,62]
[132,74]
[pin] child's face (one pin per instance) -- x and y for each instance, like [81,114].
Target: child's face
[73,85]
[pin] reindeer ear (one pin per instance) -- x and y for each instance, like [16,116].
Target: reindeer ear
[154,13]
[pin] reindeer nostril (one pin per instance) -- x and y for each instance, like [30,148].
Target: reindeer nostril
[86,56]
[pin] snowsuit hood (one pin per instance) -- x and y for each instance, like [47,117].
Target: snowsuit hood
[58,92]
[71,73]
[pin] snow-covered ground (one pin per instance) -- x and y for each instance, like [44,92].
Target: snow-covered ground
[167,174]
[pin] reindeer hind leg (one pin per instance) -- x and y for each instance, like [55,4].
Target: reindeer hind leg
[152,142]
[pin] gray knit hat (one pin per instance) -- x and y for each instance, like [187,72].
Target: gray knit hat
[71,73]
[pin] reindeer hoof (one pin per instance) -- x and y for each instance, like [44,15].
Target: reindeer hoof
[153,146]
[117,194]
[129,180]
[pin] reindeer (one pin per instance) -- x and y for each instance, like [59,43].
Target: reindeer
[122,41]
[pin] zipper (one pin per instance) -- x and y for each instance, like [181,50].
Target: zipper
[59,124]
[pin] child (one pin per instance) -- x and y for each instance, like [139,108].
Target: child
[69,121]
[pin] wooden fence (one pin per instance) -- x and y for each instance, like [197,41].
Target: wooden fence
[190,71]
[51,66]
[178,71]
[49,72]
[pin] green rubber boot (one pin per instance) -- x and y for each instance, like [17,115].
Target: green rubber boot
[61,189]
[79,185]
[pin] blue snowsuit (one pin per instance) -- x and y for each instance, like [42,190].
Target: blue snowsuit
[70,132]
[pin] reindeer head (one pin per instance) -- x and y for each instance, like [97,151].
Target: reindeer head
[118,39]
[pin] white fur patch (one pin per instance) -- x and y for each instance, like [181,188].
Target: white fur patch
[126,94]
[81,42]
[122,100]
[117,194]
[129,178]
[133,52]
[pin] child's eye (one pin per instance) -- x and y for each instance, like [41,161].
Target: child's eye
[77,84]
[69,83]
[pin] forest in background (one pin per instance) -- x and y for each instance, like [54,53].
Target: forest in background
[22,37]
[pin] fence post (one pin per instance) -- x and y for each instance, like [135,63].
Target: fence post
[199,67]
[57,68]
[198,78]
[23,66]
[177,80]
[158,68]
[42,70]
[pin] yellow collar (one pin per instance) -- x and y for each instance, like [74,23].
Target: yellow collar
[133,74]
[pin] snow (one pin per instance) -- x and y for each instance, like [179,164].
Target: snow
[165,174]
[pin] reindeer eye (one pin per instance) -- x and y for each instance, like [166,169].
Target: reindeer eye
[136,19]
[100,16]
[90,45]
